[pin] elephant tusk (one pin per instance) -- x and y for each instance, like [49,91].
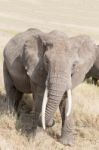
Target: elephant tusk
[45,99]
[69,98]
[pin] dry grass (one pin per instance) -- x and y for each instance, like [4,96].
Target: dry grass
[86,123]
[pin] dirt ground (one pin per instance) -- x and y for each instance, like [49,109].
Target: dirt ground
[72,17]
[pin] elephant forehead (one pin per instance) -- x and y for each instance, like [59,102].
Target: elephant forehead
[58,37]
[57,56]
[59,40]
[59,47]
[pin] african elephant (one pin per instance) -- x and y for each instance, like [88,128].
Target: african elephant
[24,67]
[94,71]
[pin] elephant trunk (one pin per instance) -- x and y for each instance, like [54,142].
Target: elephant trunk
[56,90]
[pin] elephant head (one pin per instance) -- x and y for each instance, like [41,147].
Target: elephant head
[67,61]
[40,60]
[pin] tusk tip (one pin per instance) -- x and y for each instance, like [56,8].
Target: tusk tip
[44,127]
[67,114]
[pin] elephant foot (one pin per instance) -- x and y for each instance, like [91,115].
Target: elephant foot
[50,124]
[67,140]
[30,132]
[28,123]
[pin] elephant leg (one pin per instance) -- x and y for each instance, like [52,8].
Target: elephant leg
[13,98]
[38,93]
[67,137]
[32,117]
[94,81]
[13,95]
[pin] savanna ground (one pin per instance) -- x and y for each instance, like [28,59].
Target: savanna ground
[72,17]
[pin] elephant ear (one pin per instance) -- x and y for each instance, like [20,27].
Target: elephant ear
[85,49]
[30,55]
[32,58]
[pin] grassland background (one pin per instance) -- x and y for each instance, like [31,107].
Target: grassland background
[72,17]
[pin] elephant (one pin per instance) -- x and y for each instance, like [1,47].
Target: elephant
[94,71]
[35,61]
[24,70]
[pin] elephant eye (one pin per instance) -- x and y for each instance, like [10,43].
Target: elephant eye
[46,59]
[46,62]
[74,65]
[73,68]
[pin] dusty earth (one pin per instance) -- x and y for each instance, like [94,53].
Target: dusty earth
[72,17]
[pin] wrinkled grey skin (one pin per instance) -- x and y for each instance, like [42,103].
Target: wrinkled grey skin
[62,62]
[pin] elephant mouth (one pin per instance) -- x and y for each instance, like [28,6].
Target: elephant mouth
[44,104]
